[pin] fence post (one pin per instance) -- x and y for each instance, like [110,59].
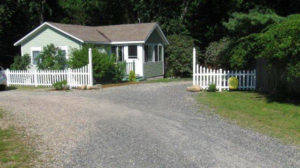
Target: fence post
[90,68]
[254,79]
[35,77]
[194,66]
[7,73]
[133,66]
[69,81]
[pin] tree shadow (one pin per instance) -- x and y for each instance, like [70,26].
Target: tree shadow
[8,88]
[285,98]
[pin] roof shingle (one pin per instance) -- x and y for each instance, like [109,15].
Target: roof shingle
[112,33]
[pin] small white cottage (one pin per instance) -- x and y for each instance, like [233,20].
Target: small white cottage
[141,43]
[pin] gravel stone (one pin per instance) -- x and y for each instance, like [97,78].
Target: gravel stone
[146,125]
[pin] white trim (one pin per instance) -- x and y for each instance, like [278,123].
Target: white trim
[117,42]
[42,25]
[128,42]
[34,49]
[160,31]
[22,52]
[66,48]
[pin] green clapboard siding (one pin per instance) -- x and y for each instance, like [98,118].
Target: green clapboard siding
[48,36]
[153,69]
[154,38]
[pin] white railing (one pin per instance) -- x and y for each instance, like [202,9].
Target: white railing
[130,66]
[203,77]
[74,77]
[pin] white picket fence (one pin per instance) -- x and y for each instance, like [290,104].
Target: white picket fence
[203,77]
[130,66]
[74,77]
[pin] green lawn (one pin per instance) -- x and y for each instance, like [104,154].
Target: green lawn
[281,120]
[168,80]
[14,152]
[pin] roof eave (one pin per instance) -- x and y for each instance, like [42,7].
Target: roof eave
[116,42]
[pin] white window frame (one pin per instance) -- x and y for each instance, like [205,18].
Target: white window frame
[66,49]
[160,52]
[117,52]
[31,53]
[129,56]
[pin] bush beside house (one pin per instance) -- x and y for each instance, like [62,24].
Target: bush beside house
[105,68]
[51,58]
[20,62]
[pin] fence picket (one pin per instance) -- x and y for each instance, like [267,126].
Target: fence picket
[75,77]
[205,76]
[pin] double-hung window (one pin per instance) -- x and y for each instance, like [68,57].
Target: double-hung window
[64,51]
[132,52]
[35,52]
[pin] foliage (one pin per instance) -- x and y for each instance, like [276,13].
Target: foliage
[203,20]
[179,56]
[212,88]
[51,57]
[105,68]
[20,62]
[241,53]
[256,111]
[233,83]
[280,46]
[213,55]
[132,77]
[61,85]
[242,24]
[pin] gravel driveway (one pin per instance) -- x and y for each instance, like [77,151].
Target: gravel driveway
[144,126]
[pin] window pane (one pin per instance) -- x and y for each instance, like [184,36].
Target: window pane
[63,52]
[146,53]
[120,54]
[156,53]
[160,53]
[35,54]
[113,49]
[150,53]
[132,51]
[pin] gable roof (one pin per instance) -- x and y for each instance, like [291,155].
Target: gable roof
[112,34]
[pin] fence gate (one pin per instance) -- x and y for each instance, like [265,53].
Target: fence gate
[203,77]
[74,77]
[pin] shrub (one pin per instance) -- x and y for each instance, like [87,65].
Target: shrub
[51,57]
[132,77]
[179,56]
[105,68]
[20,62]
[61,85]
[214,53]
[212,88]
[233,83]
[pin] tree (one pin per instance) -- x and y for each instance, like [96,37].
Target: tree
[280,45]
[179,56]
[243,24]
[213,55]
